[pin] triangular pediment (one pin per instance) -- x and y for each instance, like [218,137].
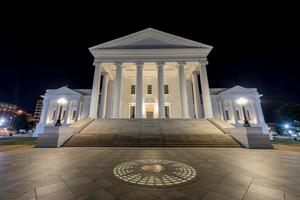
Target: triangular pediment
[239,90]
[150,39]
[63,91]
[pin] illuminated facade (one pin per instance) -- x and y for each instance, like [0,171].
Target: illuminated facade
[152,74]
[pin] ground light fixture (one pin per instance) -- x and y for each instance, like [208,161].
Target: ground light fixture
[61,101]
[243,101]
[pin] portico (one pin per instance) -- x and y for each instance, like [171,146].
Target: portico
[151,68]
[146,83]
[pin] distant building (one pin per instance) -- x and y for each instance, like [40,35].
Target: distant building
[8,110]
[38,110]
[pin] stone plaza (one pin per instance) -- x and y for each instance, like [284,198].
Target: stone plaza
[87,173]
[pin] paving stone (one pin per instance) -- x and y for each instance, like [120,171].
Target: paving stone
[98,195]
[261,192]
[51,188]
[78,181]
[216,196]
[27,196]
[137,195]
[104,183]
[176,195]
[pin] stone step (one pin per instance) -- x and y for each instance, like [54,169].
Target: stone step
[155,133]
[152,145]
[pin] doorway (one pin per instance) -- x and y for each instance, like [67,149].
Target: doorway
[149,112]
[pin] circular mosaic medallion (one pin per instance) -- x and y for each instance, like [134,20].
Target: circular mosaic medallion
[154,172]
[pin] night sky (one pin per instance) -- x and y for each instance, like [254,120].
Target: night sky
[47,47]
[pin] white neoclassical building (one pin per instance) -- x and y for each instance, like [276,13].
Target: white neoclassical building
[152,74]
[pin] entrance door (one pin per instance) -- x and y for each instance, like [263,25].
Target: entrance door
[149,112]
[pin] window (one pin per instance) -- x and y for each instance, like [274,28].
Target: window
[227,117]
[132,89]
[238,115]
[167,111]
[132,112]
[166,89]
[53,115]
[248,114]
[149,89]
[74,114]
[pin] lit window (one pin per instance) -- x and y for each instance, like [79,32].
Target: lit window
[166,89]
[74,114]
[132,90]
[227,117]
[132,112]
[53,115]
[167,111]
[238,115]
[149,89]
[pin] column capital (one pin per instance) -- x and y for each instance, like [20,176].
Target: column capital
[203,62]
[118,63]
[160,63]
[196,72]
[181,63]
[97,63]
[104,73]
[139,63]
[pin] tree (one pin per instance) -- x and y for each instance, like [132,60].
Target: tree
[20,122]
[289,112]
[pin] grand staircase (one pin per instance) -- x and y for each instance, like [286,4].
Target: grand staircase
[151,133]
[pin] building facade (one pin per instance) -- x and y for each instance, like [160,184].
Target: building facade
[152,74]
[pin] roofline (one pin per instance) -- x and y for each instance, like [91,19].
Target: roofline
[239,87]
[144,30]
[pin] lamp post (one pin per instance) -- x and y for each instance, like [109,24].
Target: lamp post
[61,102]
[243,101]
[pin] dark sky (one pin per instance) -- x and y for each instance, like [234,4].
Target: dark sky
[47,46]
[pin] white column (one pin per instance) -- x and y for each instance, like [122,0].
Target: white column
[223,109]
[78,110]
[235,117]
[208,112]
[139,91]
[117,91]
[66,116]
[160,90]
[183,93]
[95,91]
[44,113]
[103,95]
[258,111]
[196,91]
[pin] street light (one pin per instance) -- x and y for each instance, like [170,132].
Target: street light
[286,126]
[61,102]
[2,121]
[243,101]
